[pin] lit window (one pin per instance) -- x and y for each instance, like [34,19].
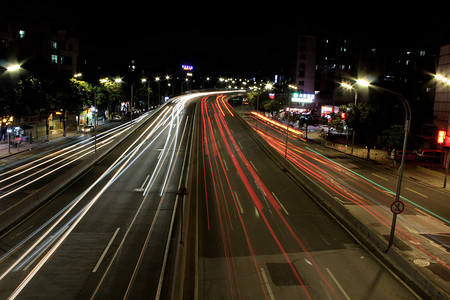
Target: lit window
[54,59]
[54,45]
[422,53]
[21,34]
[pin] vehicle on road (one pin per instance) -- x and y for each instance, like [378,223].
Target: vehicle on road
[86,128]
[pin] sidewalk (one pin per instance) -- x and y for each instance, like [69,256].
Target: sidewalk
[432,175]
[56,139]
[13,150]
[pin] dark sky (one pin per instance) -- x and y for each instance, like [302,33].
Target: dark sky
[227,37]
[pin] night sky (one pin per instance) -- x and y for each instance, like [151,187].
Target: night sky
[222,37]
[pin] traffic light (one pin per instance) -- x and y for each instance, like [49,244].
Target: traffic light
[441,136]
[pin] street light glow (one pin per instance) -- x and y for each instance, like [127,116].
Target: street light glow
[346,85]
[362,82]
[13,68]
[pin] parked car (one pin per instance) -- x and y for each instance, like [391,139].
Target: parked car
[409,155]
[431,156]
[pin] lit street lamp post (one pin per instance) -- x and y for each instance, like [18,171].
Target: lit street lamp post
[405,140]
[400,171]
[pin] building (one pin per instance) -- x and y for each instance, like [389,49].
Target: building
[39,47]
[304,73]
[441,109]
[322,63]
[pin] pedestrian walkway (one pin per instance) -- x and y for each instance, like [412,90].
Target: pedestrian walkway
[13,152]
[417,171]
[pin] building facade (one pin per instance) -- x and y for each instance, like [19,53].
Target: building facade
[38,47]
[441,109]
[406,69]
[304,73]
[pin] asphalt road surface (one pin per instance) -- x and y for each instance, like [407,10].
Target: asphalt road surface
[105,236]
[258,235]
[254,233]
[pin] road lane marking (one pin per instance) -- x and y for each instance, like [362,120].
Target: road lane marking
[411,190]
[242,148]
[282,206]
[241,209]
[225,164]
[338,284]
[106,250]
[253,165]
[353,165]
[141,189]
[266,282]
[381,177]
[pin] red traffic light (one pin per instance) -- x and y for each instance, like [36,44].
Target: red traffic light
[441,136]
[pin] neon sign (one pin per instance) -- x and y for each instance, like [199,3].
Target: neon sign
[187,67]
[303,98]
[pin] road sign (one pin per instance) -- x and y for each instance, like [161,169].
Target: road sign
[397,207]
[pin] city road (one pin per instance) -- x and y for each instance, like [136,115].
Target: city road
[254,233]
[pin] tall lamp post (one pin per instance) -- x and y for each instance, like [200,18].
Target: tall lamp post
[405,140]
[400,171]
[9,69]
[350,87]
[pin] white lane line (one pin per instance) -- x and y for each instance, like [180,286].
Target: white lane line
[225,164]
[106,250]
[253,165]
[282,206]
[338,284]
[141,189]
[353,165]
[266,282]
[242,148]
[241,209]
[381,177]
[416,192]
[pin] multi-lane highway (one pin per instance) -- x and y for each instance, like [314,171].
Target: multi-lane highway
[366,191]
[105,236]
[249,229]
[257,234]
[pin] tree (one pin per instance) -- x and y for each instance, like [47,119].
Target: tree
[253,98]
[32,96]
[271,105]
[80,93]
[393,136]
[366,119]
[306,120]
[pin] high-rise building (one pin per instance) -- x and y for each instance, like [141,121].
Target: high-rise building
[305,65]
[41,47]
[441,110]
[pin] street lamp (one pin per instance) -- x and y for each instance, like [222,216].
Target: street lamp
[13,68]
[363,83]
[400,171]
